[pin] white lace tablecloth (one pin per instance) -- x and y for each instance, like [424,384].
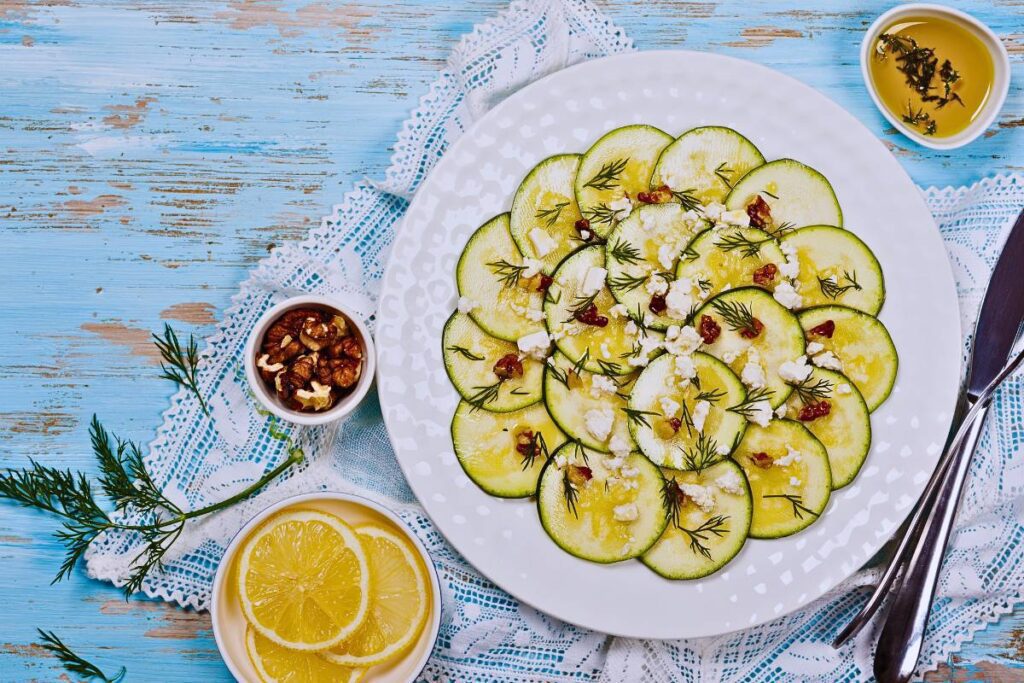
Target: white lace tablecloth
[485,634]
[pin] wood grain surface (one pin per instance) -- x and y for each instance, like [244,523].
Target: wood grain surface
[151,151]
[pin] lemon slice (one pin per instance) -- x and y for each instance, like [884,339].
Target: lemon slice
[303,580]
[400,602]
[276,664]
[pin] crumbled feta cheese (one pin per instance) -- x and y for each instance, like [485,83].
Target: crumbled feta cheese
[593,281]
[789,458]
[787,296]
[729,357]
[649,344]
[599,423]
[713,210]
[685,368]
[753,374]
[666,256]
[723,449]
[631,328]
[656,285]
[561,330]
[815,347]
[843,389]
[702,496]
[795,371]
[620,448]
[669,406]
[648,221]
[602,385]
[630,472]
[466,304]
[684,342]
[735,217]
[828,360]
[532,314]
[533,267]
[730,482]
[795,481]
[561,461]
[760,413]
[700,414]
[790,267]
[535,344]
[678,299]
[787,249]
[618,311]
[638,361]
[627,512]
[782,411]
[621,207]
[606,353]
[613,464]
[543,243]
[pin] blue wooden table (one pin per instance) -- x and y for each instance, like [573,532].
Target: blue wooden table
[151,151]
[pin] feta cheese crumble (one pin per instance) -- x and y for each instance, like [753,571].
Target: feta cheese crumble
[618,311]
[656,285]
[787,296]
[702,496]
[678,298]
[760,413]
[602,385]
[737,217]
[753,372]
[682,341]
[795,371]
[534,345]
[815,347]
[543,243]
[828,360]
[599,423]
[620,448]
[533,267]
[713,210]
[666,256]
[700,415]
[669,406]
[789,458]
[730,482]
[626,513]
[685,368]
[621,207]
[593,281]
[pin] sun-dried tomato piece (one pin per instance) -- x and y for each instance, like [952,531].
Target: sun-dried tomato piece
[826,329]
[658,304]
[752,332]
[590,316]
[583,228]
[658,195]
[580,474]
[526,442]
[508,366]
[765,275]
[762,460]
[760,213]
[812,411]
[709,329]
[544,283]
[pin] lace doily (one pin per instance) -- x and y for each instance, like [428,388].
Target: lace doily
[485,634]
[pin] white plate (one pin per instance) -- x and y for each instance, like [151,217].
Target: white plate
[675,91]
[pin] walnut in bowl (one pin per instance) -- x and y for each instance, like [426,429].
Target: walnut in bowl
[309,361]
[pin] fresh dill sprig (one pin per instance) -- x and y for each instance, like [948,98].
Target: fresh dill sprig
[624,282]
[608,176]
[180,363]
[561,376]
[624,252]
[746,407]
[699,536]
[463,351]
[600,214]
[781,229]
[551,215]
[810,393]
[639,416]
[711,396]
[738,241]
[126,482]
[538,447]
[73,662]
[581,362]
[831,288]
[508,273]
[672,498]
[738,316]
[608,367]
[488,393]
[580,304]
[687,199]
[700,456]
[689,254]
[569,491]
[724,174]
[799,509]
[704,284]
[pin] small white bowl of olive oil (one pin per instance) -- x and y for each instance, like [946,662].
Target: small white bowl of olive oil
[939,75]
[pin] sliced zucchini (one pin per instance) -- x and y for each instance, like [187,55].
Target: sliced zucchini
[545,203]
[698,542]
[862,345]
[790,488]
[797,195]
[706,162]
[570,393]
[598,513]
[618,165]
[659,389]
[846,431]
[469,358]
[836,267]
[780,340]
[490,273]
[720,259]
[604,349]
[647,245]
[486,445]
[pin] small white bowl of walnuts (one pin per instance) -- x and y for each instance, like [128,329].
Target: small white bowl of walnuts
[309,360]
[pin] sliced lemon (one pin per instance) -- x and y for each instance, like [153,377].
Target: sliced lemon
[303,580]
[276,664]
[398,607]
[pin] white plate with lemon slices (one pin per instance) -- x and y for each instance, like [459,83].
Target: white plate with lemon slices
[325,587]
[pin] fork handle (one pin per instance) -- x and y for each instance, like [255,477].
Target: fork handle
[902,637]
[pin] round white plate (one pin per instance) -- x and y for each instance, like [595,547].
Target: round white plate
[675,91]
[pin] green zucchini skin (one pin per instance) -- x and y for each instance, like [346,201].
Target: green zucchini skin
[825,251]
[797,194]
[706,160]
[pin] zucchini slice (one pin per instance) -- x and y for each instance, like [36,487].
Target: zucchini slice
[486,446]
[607,349]
[618,165]
[570,393]
[659,396]
[862,345]
[836,267]
[646,246]
[490,274]
[469,358]
[720,259]
[846,431]
[697,541]
[780,340]
[597,512]
[790,488]
[544,209]
[797,195]
[706,162]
